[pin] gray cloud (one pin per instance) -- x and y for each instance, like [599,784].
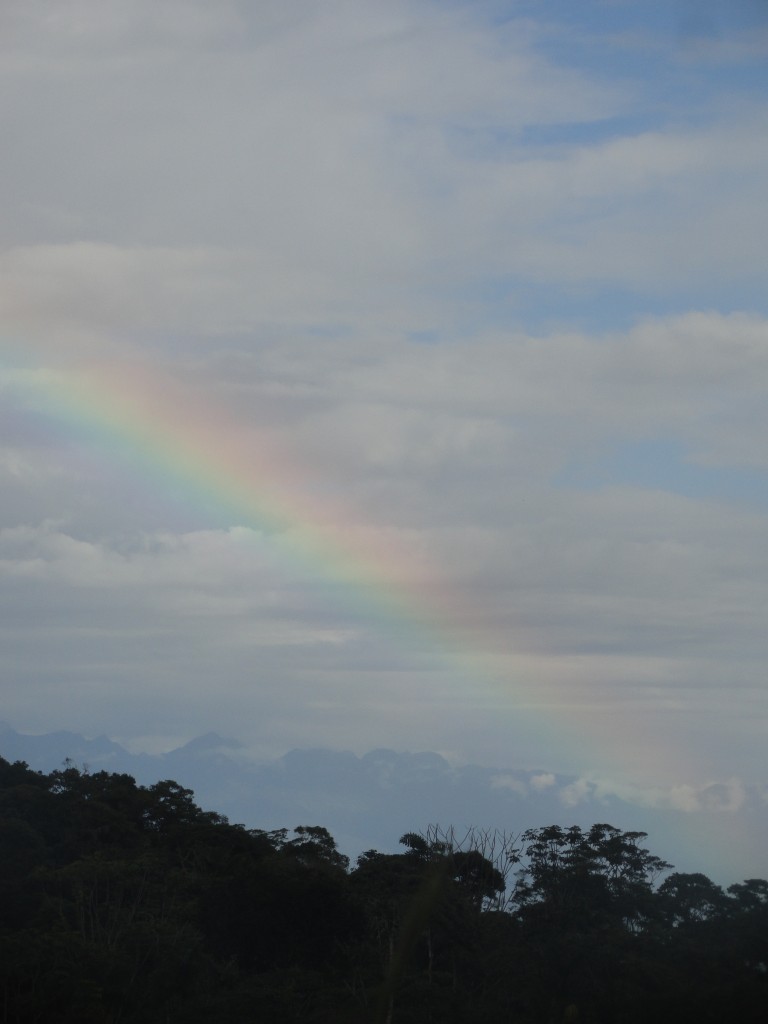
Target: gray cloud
[333,222]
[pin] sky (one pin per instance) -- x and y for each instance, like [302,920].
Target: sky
[389,373]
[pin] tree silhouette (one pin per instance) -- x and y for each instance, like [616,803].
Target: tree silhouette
[131,904]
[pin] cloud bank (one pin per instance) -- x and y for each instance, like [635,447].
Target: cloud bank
[489,276]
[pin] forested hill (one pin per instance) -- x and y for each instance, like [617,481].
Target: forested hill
[127,903]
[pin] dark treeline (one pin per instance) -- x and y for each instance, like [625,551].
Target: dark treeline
[130,905]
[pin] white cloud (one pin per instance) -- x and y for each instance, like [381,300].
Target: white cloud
[346,160]
[543,781]
[720,797]
[729,796]
[509,782]
[576,793]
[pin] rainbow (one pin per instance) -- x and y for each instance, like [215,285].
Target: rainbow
[179,439]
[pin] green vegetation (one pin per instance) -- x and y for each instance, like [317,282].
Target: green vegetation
[124,904]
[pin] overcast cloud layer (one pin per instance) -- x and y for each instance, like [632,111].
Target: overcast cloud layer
[493,274]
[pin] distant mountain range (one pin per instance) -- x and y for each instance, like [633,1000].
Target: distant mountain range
[370,801]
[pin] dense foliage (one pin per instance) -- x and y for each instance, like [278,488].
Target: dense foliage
[123,903]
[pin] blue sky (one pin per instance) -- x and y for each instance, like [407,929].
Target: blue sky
[493,274]
[664,465]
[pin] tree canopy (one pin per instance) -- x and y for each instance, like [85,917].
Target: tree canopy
[124,903]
